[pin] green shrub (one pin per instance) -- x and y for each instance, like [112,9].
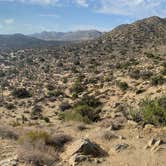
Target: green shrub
[86,110]
[77,87]
[55,93]
[157,80]
[21,93]
[151,111]
[122,85]
[163,71]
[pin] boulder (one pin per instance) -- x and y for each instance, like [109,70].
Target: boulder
[86,147]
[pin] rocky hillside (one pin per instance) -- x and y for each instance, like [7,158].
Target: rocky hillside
[131,38]
[68,36]
[100,103]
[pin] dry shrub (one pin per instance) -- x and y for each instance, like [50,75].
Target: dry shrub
[37,154]
[58,141]
[40,148]
[8,132]
[108,135]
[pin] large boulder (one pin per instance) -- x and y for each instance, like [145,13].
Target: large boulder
[86,147]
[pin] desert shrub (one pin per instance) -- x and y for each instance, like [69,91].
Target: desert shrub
[10,106]
[157,80]
[46,119]
[135,74]
[38,147]
[64,106]
[21,93]
[36,112]
[77,87]
[122,85]
[50,87]
[37,157]
[55,93]
[152,111]
[34,150]
[86,110]
[146,74]
[163,71]
[82,113]
[108,135]
[8,132]
[89,100]
[58,141]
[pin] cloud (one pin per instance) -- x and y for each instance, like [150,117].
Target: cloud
[49,15]
[83,3]
[9,21]
[130,8]
[133,8]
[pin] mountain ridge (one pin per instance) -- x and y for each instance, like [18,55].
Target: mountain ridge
[80,35]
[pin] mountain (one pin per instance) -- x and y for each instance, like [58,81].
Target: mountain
[22,41]
[68,36]
[149,32]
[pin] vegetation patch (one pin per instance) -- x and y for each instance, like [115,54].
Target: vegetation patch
[21,93]
[86,110]
[151,112]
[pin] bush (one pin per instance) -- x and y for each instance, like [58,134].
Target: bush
[152,111]
[37,112]
[157,80]
[35,151]
[10,106]
[21,93]
[64,106]
[86,110]
[8,132]
[77,87]
[55,93]
[122,85]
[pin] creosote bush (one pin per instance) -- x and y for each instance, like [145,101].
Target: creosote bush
[122,85]
[157,80]
[86,110]
[151,112]
[21,93]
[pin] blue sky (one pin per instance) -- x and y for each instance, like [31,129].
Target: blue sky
[29,16]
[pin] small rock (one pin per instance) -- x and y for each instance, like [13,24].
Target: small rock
[156,145]
[150,143]
[120,147]
[132,124]
[148,128]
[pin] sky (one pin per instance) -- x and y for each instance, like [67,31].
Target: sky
[30,16]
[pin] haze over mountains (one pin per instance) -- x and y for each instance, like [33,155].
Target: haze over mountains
[68,36]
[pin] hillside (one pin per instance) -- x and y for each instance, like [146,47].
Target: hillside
[131,38]
[21,41]
[99,102]
[68,36]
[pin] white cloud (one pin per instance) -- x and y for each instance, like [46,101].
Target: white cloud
[49,15]
[9,21]
[83,3]
[133,8]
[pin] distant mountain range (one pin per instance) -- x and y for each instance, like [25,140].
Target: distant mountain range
[148,32]
[68,36]
[45,39]
[20,41]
